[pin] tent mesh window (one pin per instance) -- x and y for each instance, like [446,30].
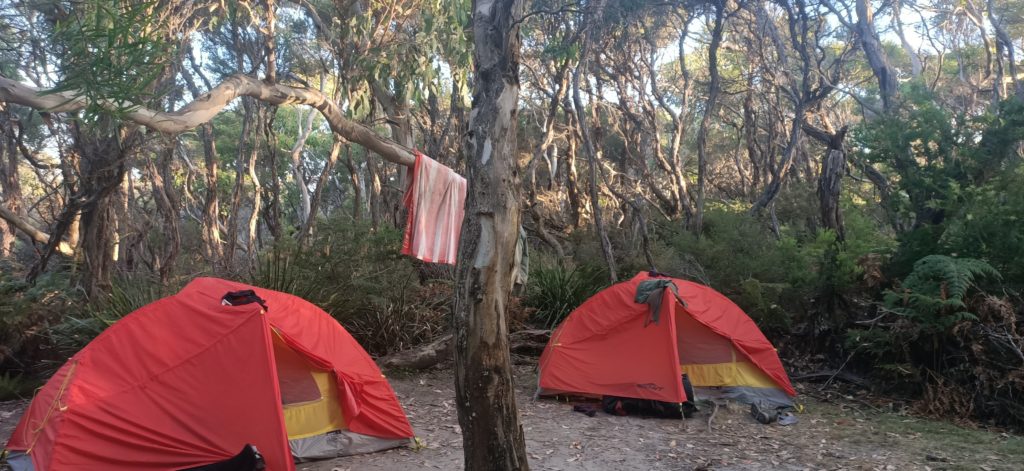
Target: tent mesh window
[294,375]
[710,360]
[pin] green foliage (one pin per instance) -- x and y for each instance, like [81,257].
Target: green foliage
[15,386]
[555,290]
[920,142]
[781,281]
[113,51]
[359,277]
[960,186]
[933,295]
[27,310]
[930,303]
[988,226]
[129,293]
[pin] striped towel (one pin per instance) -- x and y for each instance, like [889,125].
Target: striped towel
[435,201]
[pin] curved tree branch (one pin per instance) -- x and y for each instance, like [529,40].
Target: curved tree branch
[205,107]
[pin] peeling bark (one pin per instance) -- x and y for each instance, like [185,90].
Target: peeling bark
[485,397]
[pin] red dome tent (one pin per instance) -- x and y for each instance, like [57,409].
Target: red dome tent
[608,346]
[187,381]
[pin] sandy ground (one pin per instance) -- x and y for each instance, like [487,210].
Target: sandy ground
[831,435]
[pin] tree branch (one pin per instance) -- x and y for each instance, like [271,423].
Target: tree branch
[31,231]
[205,107]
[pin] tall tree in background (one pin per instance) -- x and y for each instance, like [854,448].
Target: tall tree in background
[592,19]
[485,397]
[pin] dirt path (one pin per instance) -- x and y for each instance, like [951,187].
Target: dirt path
[829,437]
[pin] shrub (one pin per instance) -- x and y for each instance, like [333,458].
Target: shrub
[555,289]
[949,342]
[15,386]
[933,295]
[358,276]
[127,294]
[27,311]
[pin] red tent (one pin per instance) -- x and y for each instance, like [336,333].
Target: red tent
[187,381]
[609,347]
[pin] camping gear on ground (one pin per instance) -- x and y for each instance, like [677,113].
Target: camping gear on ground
[589,409]
[608,347]
[189,379]
[642,407]
[763,413]
[651,408]
[435,202]
[788,418]
[249,459]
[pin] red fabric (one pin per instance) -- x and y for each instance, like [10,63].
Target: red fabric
[603,348]
[187,381]
[435,202]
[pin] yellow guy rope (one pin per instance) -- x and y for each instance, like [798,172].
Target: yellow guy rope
[54,405]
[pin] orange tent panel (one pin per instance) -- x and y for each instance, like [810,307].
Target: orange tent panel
[604,347]
[187,381]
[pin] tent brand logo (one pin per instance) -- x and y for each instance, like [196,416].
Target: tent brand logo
[651,386]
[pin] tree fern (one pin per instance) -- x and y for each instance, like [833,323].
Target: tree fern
[934,293]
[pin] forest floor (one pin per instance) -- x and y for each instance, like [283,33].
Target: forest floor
[833,434]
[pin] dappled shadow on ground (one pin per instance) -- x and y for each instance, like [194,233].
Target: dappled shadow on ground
[830,435]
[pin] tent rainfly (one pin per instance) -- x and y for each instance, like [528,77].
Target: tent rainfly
[611,346]
[192,378]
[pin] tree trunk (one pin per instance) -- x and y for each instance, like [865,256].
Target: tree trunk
[915,60]
[213,248]
[244,144]
[779,173]
[273,211]
[103,168]
[212,243]
[252,238]
[1005,43]
[591,22]
[297,173]
[714,87]
[204,108]
[374,193]
[10,188]
[829,186]
[833,167]
[318,192]
[572,187]
[167,206]
[357,185]
[485,396]
[877,58]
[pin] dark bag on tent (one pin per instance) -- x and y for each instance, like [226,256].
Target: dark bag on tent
[239,298]
[249,459]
